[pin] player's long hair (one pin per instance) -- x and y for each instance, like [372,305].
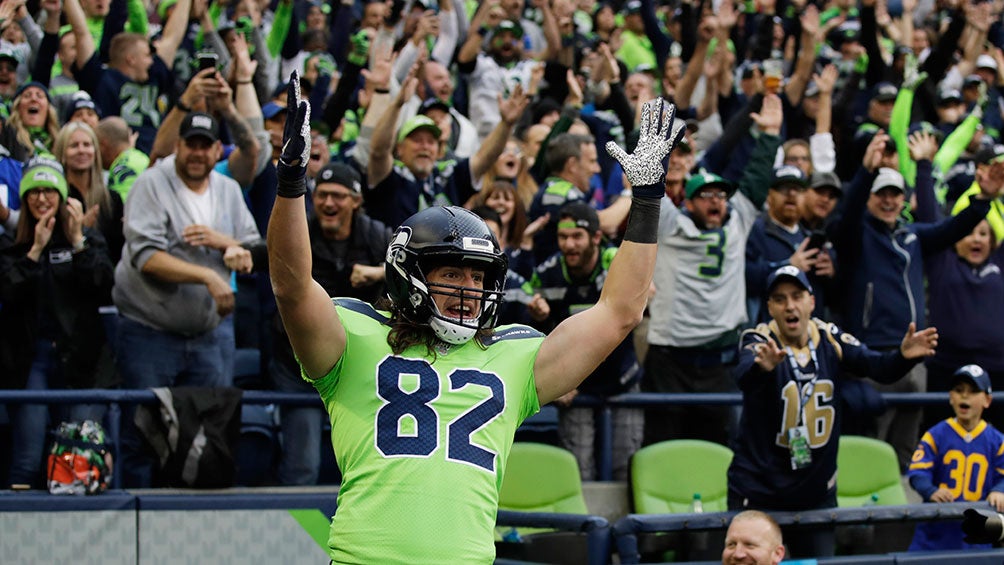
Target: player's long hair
[404,333]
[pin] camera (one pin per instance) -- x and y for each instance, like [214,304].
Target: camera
[982,527]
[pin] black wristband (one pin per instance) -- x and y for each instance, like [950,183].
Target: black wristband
[643,220]
[290,188]
[181,106]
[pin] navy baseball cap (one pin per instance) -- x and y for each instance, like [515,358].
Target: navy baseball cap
[789,174]
[885,92]
[789,273]
[579,214]
[974,374]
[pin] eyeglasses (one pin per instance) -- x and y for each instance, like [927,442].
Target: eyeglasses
[336,196]
[36,193]
[709,194]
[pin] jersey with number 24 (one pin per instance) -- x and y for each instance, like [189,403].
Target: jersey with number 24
[422,444]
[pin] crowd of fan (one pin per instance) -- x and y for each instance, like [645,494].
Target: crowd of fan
[502,107]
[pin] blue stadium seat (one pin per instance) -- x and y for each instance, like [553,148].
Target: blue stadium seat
[258,446]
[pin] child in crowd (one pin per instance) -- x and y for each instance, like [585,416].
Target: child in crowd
[959,459]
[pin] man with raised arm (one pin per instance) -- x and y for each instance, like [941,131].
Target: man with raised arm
[424,398]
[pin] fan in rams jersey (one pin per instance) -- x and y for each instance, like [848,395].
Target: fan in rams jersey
[789,372]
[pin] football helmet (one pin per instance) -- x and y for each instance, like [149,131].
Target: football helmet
[436,237]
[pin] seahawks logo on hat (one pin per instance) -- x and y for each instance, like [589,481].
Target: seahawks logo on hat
[45,176]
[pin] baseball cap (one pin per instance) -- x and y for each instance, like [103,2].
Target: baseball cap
[701,180]
[888,178]
[416,123]
[826,179]
[812,89]
[974,374]
[340,173]
[989,154]
[579,214]
[749,67]
[926,127]
[986,62]
[8,53]
[197,123]
[79,101]
[271,110]
[433,104]
[511,26]
[41,172]
[971,80]
[884,92]
[949,95]
[632,7]
[788,273]
[788,174]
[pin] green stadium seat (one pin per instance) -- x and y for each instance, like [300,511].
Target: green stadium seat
[867,466]
[542,478]
[665,476]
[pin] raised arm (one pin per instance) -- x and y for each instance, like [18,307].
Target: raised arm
[381,160]
[78,21]
[562,363]
[510,109]
[174,31]
[309,316]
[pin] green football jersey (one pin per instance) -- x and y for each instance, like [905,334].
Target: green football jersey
[422,444]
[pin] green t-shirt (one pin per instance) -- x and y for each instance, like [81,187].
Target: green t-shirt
[636,50]
[422,445]
[124,170]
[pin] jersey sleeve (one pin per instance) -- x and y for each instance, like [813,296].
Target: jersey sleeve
[921,471]
[997,475]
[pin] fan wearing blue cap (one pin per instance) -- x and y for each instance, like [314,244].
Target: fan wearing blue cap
[791,372]
[960,459]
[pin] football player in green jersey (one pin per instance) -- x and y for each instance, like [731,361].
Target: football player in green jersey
[424,398]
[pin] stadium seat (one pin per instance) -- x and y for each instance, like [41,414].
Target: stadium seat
[542,478]
[258,445]
[867,466]
[665,476]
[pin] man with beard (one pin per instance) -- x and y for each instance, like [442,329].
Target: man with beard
[777,239]
[502,65]
[187,229]
[700,297]
[790,373]
[568,282]
[347,249]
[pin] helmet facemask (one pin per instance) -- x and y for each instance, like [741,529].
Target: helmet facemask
[469,309]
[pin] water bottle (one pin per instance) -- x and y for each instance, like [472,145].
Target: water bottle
[698,540]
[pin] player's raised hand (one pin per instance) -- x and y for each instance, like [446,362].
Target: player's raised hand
[660,132]
[292,167]
[768,355]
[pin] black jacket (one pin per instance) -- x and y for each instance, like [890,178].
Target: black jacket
[58,296]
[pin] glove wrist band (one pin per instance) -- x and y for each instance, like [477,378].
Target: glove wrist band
[643,220]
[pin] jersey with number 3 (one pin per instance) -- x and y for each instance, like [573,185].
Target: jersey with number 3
[422,444]
[969,464]
[700,276]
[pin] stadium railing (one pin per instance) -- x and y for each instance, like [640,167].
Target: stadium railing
[627,529]
[115,398]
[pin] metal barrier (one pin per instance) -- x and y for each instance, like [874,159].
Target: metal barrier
[596,529]
[114,398]
[627,529]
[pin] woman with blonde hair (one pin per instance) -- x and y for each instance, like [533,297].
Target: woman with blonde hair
[32,125]
[516,235]
[76,149]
